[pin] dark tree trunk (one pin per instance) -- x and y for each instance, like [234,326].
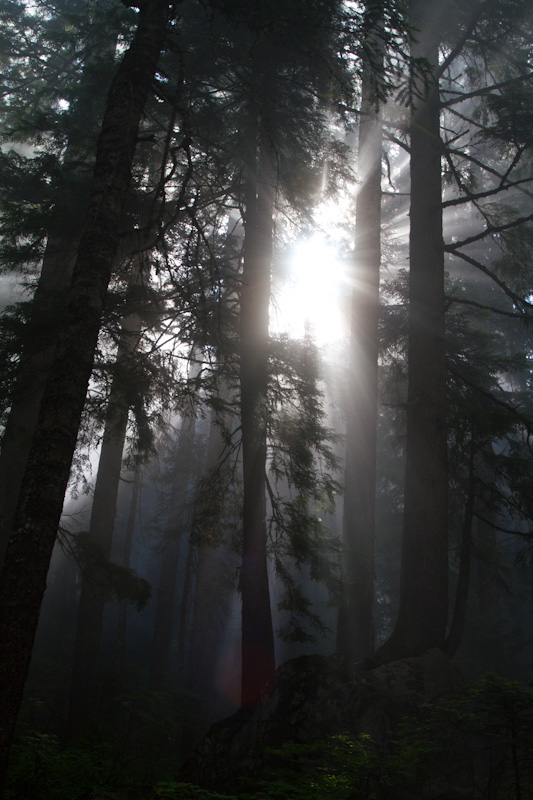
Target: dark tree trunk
[355,631]
[48,303]
[185,613]
[37,357]
[211,586]
[120,652]
[23,578]
[85,670]
[423,607]
[164,624]
[258,662]
[457,626]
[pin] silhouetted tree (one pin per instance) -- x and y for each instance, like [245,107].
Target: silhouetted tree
[23,578]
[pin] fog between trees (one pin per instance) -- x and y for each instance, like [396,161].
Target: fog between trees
[212,494]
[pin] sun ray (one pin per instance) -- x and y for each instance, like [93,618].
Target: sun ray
[310,299]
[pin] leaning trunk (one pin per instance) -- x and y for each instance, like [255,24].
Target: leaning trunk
[48,303]
[23,578]
[36,359]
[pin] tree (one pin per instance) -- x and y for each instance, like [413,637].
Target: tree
[23,578]
[216,565]
[355,631]
[423,611]
[274,85]
[95,549]
[120,653]
[257,630]
[177,518]
[61,182]
[424,559]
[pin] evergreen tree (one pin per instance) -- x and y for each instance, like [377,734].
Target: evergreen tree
[46,175]
[98,542]
[355,631]
[427,547]
[23,578]
[422,616]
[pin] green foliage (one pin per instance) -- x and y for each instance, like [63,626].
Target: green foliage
[343,767]
[40,767]
[513,115]
[174,790]
[301,483]
[479,745]
[481,742]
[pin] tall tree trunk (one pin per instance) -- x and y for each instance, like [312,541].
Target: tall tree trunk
[85,670]
[355,631]
[120,651]
[457,626]
[185,613]
[423,606]
[164,624]
[48,303]
[212,577]
[23,578]
[37,356]
[258,663]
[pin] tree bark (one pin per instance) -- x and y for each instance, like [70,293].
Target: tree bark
[423,605]
[212,577]
[185,613]
[48,302]
[164,623]
[258,663]
[23,578]
[120,652]
[37,356]
[85,669]
[457,625]
[41,332]
[355,630]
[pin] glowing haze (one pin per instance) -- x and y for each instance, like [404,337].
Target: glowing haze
[311,297]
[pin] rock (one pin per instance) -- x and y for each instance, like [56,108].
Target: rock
[313,697]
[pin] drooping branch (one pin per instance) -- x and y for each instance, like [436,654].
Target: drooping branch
[490,230]
[517,300]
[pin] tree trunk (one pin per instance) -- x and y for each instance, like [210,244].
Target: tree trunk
[85,670]
[355,631]
[23,578]
[185,609]
[258,663]
[423,606]
[120,652]
[457,626]
[172,539]
[212,577]
[41,332]
[37,356]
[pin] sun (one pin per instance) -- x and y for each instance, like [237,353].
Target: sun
[310,300]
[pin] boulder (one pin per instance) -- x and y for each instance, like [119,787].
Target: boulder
[313,697]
